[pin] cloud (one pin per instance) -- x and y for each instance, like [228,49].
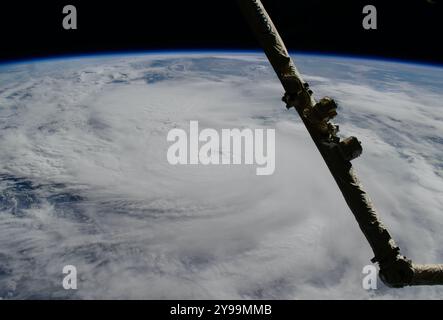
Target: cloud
[90,153]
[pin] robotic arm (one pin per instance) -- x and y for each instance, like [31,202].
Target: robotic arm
[395,270]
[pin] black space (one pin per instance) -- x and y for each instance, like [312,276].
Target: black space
[410,30]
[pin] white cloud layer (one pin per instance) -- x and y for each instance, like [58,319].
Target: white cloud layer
[84,179]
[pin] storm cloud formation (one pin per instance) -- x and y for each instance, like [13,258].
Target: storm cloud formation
[84,178]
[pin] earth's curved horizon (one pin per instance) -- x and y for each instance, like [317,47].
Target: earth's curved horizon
[167,52]
[84,179]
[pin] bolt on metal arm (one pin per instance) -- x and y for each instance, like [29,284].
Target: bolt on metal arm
[395,270]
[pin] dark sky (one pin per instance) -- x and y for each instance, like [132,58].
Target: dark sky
[406,29]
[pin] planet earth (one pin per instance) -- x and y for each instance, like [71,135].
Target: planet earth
[84,179]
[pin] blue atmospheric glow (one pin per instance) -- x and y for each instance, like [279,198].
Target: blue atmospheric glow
[117,54]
